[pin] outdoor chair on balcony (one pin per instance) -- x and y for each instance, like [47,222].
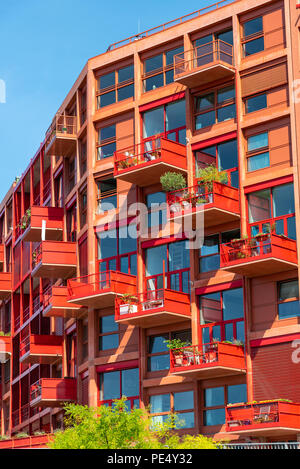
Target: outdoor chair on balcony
[265,415]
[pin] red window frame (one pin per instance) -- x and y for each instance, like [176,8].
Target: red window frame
[110,401]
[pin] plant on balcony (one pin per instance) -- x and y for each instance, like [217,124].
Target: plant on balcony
[176,345]
[260,237]
[21,435]
[128,304]
[172,181]
[210,174]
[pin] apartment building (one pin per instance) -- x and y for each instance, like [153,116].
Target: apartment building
[89,298]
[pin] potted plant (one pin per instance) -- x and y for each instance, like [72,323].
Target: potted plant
[172,181]
[186,197]
[128,304]
[210,174]
[176,346]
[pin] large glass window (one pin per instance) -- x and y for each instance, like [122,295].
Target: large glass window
[215,400]
[217,106]
[117,249]
[156,216]
[115,384]
[177,263]
[210,252]
[159,69]
[106,145]
[288,299]
[115,86]
[180,402]
[253,41]
[166,121]
[258,151]
[256,103]
[158,353]
[274,206]
[108,333]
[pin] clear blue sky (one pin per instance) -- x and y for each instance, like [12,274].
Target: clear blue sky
[43,47]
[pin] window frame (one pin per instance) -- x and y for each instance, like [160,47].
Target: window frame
[215,107]
[109,402]
[169,336]
[205,408]
[159,71]
[172,406]
[288,300]
[116,87]
[107,141]
[251,37]
[257,151]
[105,334]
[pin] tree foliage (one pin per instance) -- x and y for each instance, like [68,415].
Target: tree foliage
[117,428]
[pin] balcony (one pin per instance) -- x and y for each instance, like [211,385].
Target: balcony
[144,164]
[5,348]
[1,255]
[54,259]
[204,64]
[30,442]
[99,290]
[5,285]
[262,255]
[153,308]
[219,204]
[55,304]
[210,361]
[51,217]
[42,349]
[61,136]
[53,392]
[266,418]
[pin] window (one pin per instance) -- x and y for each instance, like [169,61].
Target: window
[273,206]
[223,312]
[106,145]
[108,333]
[258,152]
[156,216]
[210,251]
[166,121]
[215,400]
[115,86]
[117,250]
[253,41]
[255,103]
[205,48]
[224,156]
[72,179]
[115,384]
[158,353]
[159,70]
[83,208]
[288,299]
[83,157]
[214,107]
[85,352]
[72,223]
[177,263]
[182,403]
[106,195]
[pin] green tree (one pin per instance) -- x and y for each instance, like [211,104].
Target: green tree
[117,428]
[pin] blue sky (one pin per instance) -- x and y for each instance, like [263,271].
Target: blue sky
[44,45]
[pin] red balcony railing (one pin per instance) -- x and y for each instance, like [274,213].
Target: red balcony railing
[44,349]
[275,417]
[30,442]
[144,163]
[209,361]
[220,203]
[54,259]
[52,217]
[100,289]
[203,64]
[155,307]
[258,256]
[55,303]
[53,392]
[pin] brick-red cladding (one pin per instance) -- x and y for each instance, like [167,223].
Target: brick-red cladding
[274,373]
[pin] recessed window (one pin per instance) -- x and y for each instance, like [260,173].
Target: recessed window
[106,145]
[115,86]
[108,333]
[256,103]
[158,353]
[257,156]
[215,400]
[181,403]
[168,121]
[159,69]
[218,106]
[106,195]
[253,41]
[210,251]
[288,299]
[115,384]
[117,250]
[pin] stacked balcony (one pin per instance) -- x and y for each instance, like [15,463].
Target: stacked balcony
[218,204]
[99,290]
[61,136]
[53,392]
[42,349]
[55,303]
[263,255]
[54,259]
[145,163]
[204,64]
[209,361]
[273,418]
[51,219]
[153,308]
